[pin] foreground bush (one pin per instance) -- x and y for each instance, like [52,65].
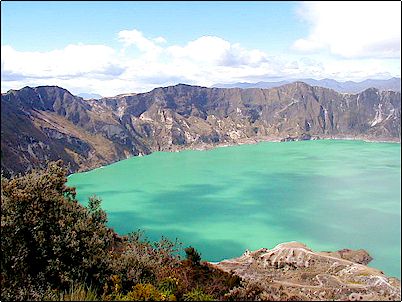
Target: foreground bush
[49,240]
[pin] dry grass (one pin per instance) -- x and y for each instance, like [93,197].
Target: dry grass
[76,293]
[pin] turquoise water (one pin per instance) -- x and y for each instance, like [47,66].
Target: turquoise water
[328,194]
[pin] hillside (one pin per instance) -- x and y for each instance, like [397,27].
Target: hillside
[48,122]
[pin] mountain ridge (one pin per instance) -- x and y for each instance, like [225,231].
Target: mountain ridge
[48,122]
[88,96]
[393,84]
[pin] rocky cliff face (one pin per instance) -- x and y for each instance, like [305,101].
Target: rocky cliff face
[46,123]
[297,271]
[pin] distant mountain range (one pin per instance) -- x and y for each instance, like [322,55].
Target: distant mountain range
[49,123]
[393,84]
[89,96]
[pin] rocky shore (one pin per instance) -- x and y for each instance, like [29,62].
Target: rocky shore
[256,140]
[300,272]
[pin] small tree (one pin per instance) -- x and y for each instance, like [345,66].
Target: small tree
[192,255]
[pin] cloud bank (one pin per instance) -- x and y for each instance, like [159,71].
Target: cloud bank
[352,29]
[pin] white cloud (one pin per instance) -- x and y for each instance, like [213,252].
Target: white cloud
[73,60]
[216,51]
[159,40]
[142,63]
[206,49]
[352,29]
[136,38]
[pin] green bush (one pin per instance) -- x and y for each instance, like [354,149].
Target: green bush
[169,285]
[144,292]
[192,255]
[137,260]
[48,239]
[197,295]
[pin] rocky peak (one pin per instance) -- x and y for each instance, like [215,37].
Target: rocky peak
[41,97]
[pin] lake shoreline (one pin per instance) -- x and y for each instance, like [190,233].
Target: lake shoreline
[250,141]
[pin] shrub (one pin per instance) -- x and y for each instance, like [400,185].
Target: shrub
[48,239]
[137,260]
[147,292]
[257,291]
[192,255]
[75,293]
[197,295]
[169,285]
[205,277]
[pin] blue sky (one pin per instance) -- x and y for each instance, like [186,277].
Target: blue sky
[117,47]
[40,26]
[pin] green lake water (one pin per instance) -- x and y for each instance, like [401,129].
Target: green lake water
[328,194]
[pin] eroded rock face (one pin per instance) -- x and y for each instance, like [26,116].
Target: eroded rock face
[48,122]
[300,272]
[357,256]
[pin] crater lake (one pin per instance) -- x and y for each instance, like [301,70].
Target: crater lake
[328,194]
